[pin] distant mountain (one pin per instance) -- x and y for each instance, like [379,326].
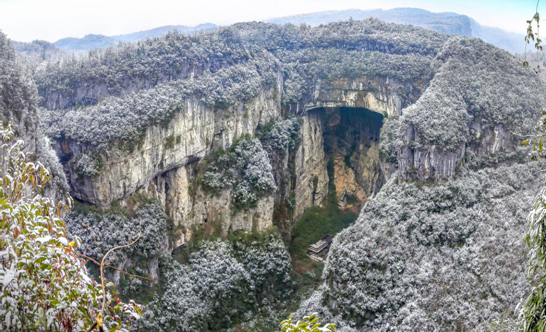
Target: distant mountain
[39,50]
[161,31]
[442,22]
[87,43]
[91,42]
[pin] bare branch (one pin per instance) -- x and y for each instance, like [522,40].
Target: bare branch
[103,262]
[115,268]
[130,274]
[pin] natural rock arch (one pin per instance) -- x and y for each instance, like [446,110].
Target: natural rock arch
[376,93]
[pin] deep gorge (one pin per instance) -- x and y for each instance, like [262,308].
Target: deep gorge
[247,133]
[351,138]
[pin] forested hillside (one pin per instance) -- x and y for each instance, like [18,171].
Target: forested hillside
[92,42]
[232,151]
[452,23]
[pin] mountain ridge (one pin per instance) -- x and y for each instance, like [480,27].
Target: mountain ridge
[446,22]
[97,41]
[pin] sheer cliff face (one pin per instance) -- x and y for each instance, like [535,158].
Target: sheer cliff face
[158,163]
[193,132]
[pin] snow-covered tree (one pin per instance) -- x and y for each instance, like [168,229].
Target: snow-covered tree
[307,324]
[44,282]
[224,282]
[245,168]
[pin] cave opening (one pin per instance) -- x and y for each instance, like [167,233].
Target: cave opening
[348,174]
[351,146]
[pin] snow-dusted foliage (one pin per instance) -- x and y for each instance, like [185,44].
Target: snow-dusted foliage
[245,168]
[58,186]
[88,164]
[101,231]
[332,63]
[18,102]
[225,282]
[45,286]
[477,82]
[531,313]
[143,64]
[18,98]
[448,256]
[176,56]
[279,135]
[307,323]
[536,142]
[125,118]
[390,139]
[37,51]
[44,282]
[114,94]
[532,309]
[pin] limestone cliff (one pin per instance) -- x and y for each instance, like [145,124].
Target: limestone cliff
[311,175]
[157,164]
[192,133]
[190,207]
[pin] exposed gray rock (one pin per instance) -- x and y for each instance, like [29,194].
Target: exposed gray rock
[192,208]
[378,93]
[191,135]
[311,175]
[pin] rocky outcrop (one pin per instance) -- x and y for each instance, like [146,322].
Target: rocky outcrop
[189,136]
[348,193]
[431,162]
[367,165]
[428,162]
[191,208]
[378,93]
[311,174]
[159,166]
[490,139]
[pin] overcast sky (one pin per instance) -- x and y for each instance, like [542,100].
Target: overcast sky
[26,20]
